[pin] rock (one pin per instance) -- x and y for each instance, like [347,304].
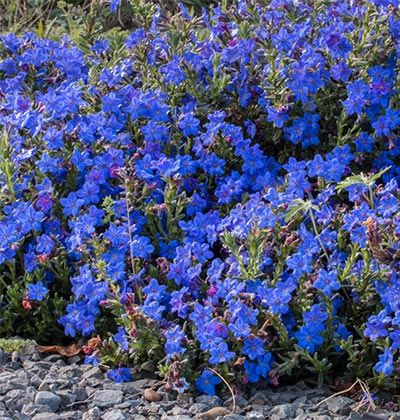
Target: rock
[46,416]
[178,417]
[282,411]
[80,393]
[71,415]
[73,359]
[210,401]
[107,398]
[92,414]
[213,413]
[232,417]
[67,398]
[151,395]
[114,415]
[48,398]
[339,405]
[16,399]
[255,415]
[198,408]
[3,357]
[94,372]
[260,398]
[33,408]
[239,402]
[180,411]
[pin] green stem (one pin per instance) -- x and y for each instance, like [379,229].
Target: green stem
[317,234]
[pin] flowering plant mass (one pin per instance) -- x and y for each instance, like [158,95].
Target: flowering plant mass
[214,190]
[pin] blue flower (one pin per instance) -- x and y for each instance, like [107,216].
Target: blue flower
[120,374]
[37,291]
[206,383]
[253,347]
[385,364]
[308,338]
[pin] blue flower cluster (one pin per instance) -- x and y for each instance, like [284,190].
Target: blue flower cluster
[200,181]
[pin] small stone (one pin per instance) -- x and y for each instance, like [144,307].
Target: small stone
[339,405]
[210,401]
[32,409]
[255,415]
[5,386]
[73,360]
[142,384]
[70,415]
[79,392]
[107,398]
[356,416]
[16,399]
[303,417]
[179,411]
[67,398]
[151,395]
[16,356]
[44,386]
[94,372]
[232,417]
[46,416]
[114,415]
[300,401]
[92,414]
[48,398]
[282,411]
[3,357]
[213,413]
[260,398]
[239,401]
[178,417]
[197,408]
[29,349]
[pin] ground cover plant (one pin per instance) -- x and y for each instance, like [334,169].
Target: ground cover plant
[213,190]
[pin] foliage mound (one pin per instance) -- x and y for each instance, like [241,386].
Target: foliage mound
[215,190]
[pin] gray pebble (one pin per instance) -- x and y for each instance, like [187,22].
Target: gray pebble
[114,415]
[46,416]
[209,401]
[59,388]
[198,408]
[339,405]
[282,411]
[255,415]
[92,414]
[48,398]
[107,398]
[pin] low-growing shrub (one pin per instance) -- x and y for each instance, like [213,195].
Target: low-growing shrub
[209,191]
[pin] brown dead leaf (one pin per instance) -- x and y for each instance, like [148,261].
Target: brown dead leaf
[213,413]
[94,343]
[69,351]
[239,361]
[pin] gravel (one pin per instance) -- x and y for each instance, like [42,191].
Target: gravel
[52,387]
